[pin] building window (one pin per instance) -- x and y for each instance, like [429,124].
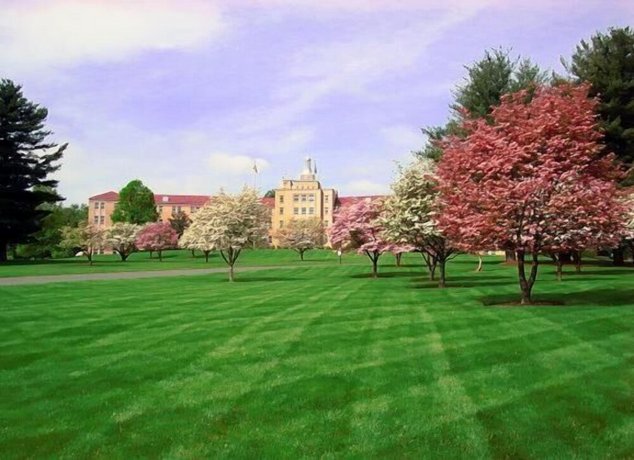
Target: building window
[102,205]
[326,198]
[281,211]
[295,197]
[281,223]
[311,197]
[96,205]
[96,220]
[311,211]
[296,211]
[326,223]
[303,211]
[102,220]
[303,197]
[326,210]
[281,198]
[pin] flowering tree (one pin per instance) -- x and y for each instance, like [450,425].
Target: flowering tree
[628,236]
[196,237]
[122,237]
[532,181]
[157,236]
[358,227]
[398,250]
[410,216]
[301,235]
[230,223]
[84,237]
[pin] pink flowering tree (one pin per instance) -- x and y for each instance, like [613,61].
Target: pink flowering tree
[157,236]
[358,227]
[535,180]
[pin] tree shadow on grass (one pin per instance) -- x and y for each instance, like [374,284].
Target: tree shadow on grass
[403,274]
[253,279]
[591,298]
[452,284]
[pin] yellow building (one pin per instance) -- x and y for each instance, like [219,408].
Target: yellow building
[303,198]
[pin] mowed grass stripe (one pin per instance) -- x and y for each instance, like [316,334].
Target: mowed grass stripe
[314,361]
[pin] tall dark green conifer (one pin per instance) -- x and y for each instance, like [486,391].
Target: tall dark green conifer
[26,160]
[607,63]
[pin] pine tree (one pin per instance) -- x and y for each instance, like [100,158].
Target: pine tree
[607,63]
[26,160]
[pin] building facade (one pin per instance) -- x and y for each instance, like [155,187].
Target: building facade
[302,198]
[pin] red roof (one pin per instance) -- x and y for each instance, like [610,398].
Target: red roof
[161,199]
[350,200]
[268,202]
[108,196]
[193,200]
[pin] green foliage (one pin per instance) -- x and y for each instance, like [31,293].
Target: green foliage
[46,242]
[26,160]
[179,222]
[488,79]
[270,194]
[607,63]
[492,77]
[136,204]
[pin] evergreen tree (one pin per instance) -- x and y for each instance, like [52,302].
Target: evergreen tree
[46,242]
[488,79]
[179,222]
[607,63]
[136,204]
[26,160]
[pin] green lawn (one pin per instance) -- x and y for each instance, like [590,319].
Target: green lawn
[176,259]
[320,361]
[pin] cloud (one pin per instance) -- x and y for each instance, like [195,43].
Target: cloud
[364,187]
[226,163]
[402,138]
[53,34]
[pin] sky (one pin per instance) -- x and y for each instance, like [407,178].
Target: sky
[186,95]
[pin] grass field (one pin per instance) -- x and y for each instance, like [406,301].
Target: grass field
[175,259]
[320,361]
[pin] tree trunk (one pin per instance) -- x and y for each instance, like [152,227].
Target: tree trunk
[441,279]
[510,257]
[160,254]
[124,256]
[398,258]
[194,253]
[374,257]
[618,256]
[526,284]
[3,251]
[576,258]
[151,254]
[301,255]
[231,277]
[89,255]
[479,269]
[206,256]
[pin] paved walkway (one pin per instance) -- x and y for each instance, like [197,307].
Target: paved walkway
[44,279]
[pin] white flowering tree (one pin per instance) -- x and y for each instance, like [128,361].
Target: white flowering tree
[629,223]
[229,223]
[122,238]
[85,237]
[302,235]
[197,236]
[409,217]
